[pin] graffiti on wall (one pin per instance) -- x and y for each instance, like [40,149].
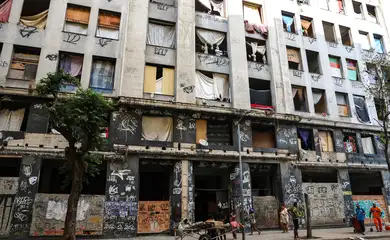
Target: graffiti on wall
[153,216]
[8,188]
[191,194]
[366,202]
[266,211]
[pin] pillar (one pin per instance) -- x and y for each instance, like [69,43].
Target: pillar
[236,192]
[386,187]
[343,179]
[191,193]
[177,192]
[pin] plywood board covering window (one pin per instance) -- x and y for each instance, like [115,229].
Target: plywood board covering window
[326,141]
[201,130]
[24,64]
[342,104]
[215,132]
[159,80]
[108,25]
[157,128]
[263,138]
[294,58]
[77,19]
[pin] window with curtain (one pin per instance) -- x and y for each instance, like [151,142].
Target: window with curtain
[77,19]
[368,144]
[288,22]
[256,51]
[24,63]
[73,64]
[378,44]
[335,64]
[161,35]
[213,7]
[253,20]
[370,73]
[217,133]
[319,101]
[5,10]
[159,129]
[352,70]
[364,40]
[159,80]
[305,139]
[11,120]
[294,58]
[361,108]
[342,104]
[102,75]
[299,99]
[260,94]
[211,42]
[108,25]
[326,141]
[212,86]
[307,27]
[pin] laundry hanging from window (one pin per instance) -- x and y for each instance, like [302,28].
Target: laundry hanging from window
[39,20]
[361,109]
[102,77]
[215,88]
[5,10]
[157,128]
[11,120]
[306,25]
[326,141]
[108,25]
[77,19]
[378,45]
[340,5]
[350,145]
[161,35]
[258,49]
[335,67]
[159,80]
[304,137]
[352,70]
[294,58]
[368,147]
[71,64]
[215,7]
[288,22]
[299,98]
[252,20]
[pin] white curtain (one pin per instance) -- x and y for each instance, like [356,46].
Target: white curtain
[221,83]
[159,85]
[11,120]
[294,92]
[107,33]
[316,97]
[166,2]
[212,88]
[364,41]
[252,15]
[259,49]
[76,28]
[368,147]
[157,128]
[210,38]
[160,35]
[218,6]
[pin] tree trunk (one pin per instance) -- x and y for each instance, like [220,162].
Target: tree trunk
[308,217]
[78,171]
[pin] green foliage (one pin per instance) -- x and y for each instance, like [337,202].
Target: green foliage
[52,83]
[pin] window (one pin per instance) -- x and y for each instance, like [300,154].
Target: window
[108,25]
[326,141]
[253,19]
[299,98]
[34,13]
[161,35]
[294,58]
[211,42]
[263,136]
[357,8]
[342,104]
[364,40]
[77,19]
[14,115]
[380,108]
[352,70]
[378,44]
[212,7]
[102,76]
[346,38]
[313,61]
[349,142]
[24,63]
[329,32]
[288,22]
[214,132]
[361,108]
[335,64]
[9,167]
[159,79]
[305,139]
[367,144]
[319,176]
[260,94]
[71,63]
[212,86]
[5,10]
[256,50]
[157,129]
[307,26]
[319,101]
[371,10]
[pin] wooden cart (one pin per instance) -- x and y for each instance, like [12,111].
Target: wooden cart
[209,230]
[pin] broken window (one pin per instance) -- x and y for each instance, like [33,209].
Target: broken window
[212,86]
[361,108]
[5,10]
[319,101]
[294,58]
[9,167]
[335,64]
[378,43]
[342,104]
[157,129]
[380,107]
[256,51]
[263,136]
[340,6]
[77,19]
[34,13]
[24,63]
[326,141]
[161,35]
[313,61]
[102,76]
[288,22]
[13,116]
[156,177]
[357,8]
[329,32]
[366,183]
[307,26]
[253,20]
[263,181]
[299,98]
[211,42]
[108,25]
[214,132]
[159,80]
[368,144]
[305,139]
[349,142]
[260,94]
[364,40]
[346,38]
[371,10]
[213,7]
[352,70]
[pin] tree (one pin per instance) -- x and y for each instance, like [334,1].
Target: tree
[79,118]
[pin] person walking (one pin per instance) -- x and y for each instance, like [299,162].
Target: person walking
[235,225]
[376,212]
[253,221]
[361,215]
[284,219]
[295,217]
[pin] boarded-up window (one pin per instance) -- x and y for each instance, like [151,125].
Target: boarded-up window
[159,80]
[335,64]
[24,63]
[201,130]
[326,141]
[342,104]
[108,25]
[294,58]
[157,128]
[77,19]
[214,132]
[263,136]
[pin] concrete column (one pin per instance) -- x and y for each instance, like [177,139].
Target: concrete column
[291,177]
[236,192]
[132,81]
[191,193]
[386,188]
[5,61]
[343,179]
[24,200]
[185,49]
[184,188]
[239,81]
[177,192]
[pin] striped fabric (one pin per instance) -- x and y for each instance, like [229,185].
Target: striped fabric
[334,62]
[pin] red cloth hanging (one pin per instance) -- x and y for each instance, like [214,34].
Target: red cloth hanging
[5,10]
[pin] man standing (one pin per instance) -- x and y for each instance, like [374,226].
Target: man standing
[361,215]
[376,212]
[295,217]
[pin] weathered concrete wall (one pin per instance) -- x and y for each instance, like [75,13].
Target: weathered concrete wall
[343,179]
[153,216]
[366,202]
[49,214]
[266,208]
[236,192]
[327,203]
[8,189]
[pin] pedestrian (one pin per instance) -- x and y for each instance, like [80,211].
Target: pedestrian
[235,226]
[376,212]
[361,215]
[295,217]
[284,218]
[253,221]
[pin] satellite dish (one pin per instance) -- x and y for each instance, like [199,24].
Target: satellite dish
[203,142]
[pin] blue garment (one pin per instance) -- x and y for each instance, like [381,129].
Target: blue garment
[360,214]
[288,21]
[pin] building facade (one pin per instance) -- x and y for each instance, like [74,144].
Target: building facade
[290,73]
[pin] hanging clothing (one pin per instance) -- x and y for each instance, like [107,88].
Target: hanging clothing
[5,10]
[11,120]
[161,35]
[258,49]
[216,88]
[304,134]
[317,97]
[210,38]
[39,20]
[368,147]
[305,26]
[252,14]
[102,76]
[361,109]
[378,45]
[157,128]
[352,73]
[340,5]
[261,97]
[335,67]
[288,21]
[71,64]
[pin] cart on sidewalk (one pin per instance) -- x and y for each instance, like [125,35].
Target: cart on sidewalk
[208,230]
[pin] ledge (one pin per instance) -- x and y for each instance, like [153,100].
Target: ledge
[340,165]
